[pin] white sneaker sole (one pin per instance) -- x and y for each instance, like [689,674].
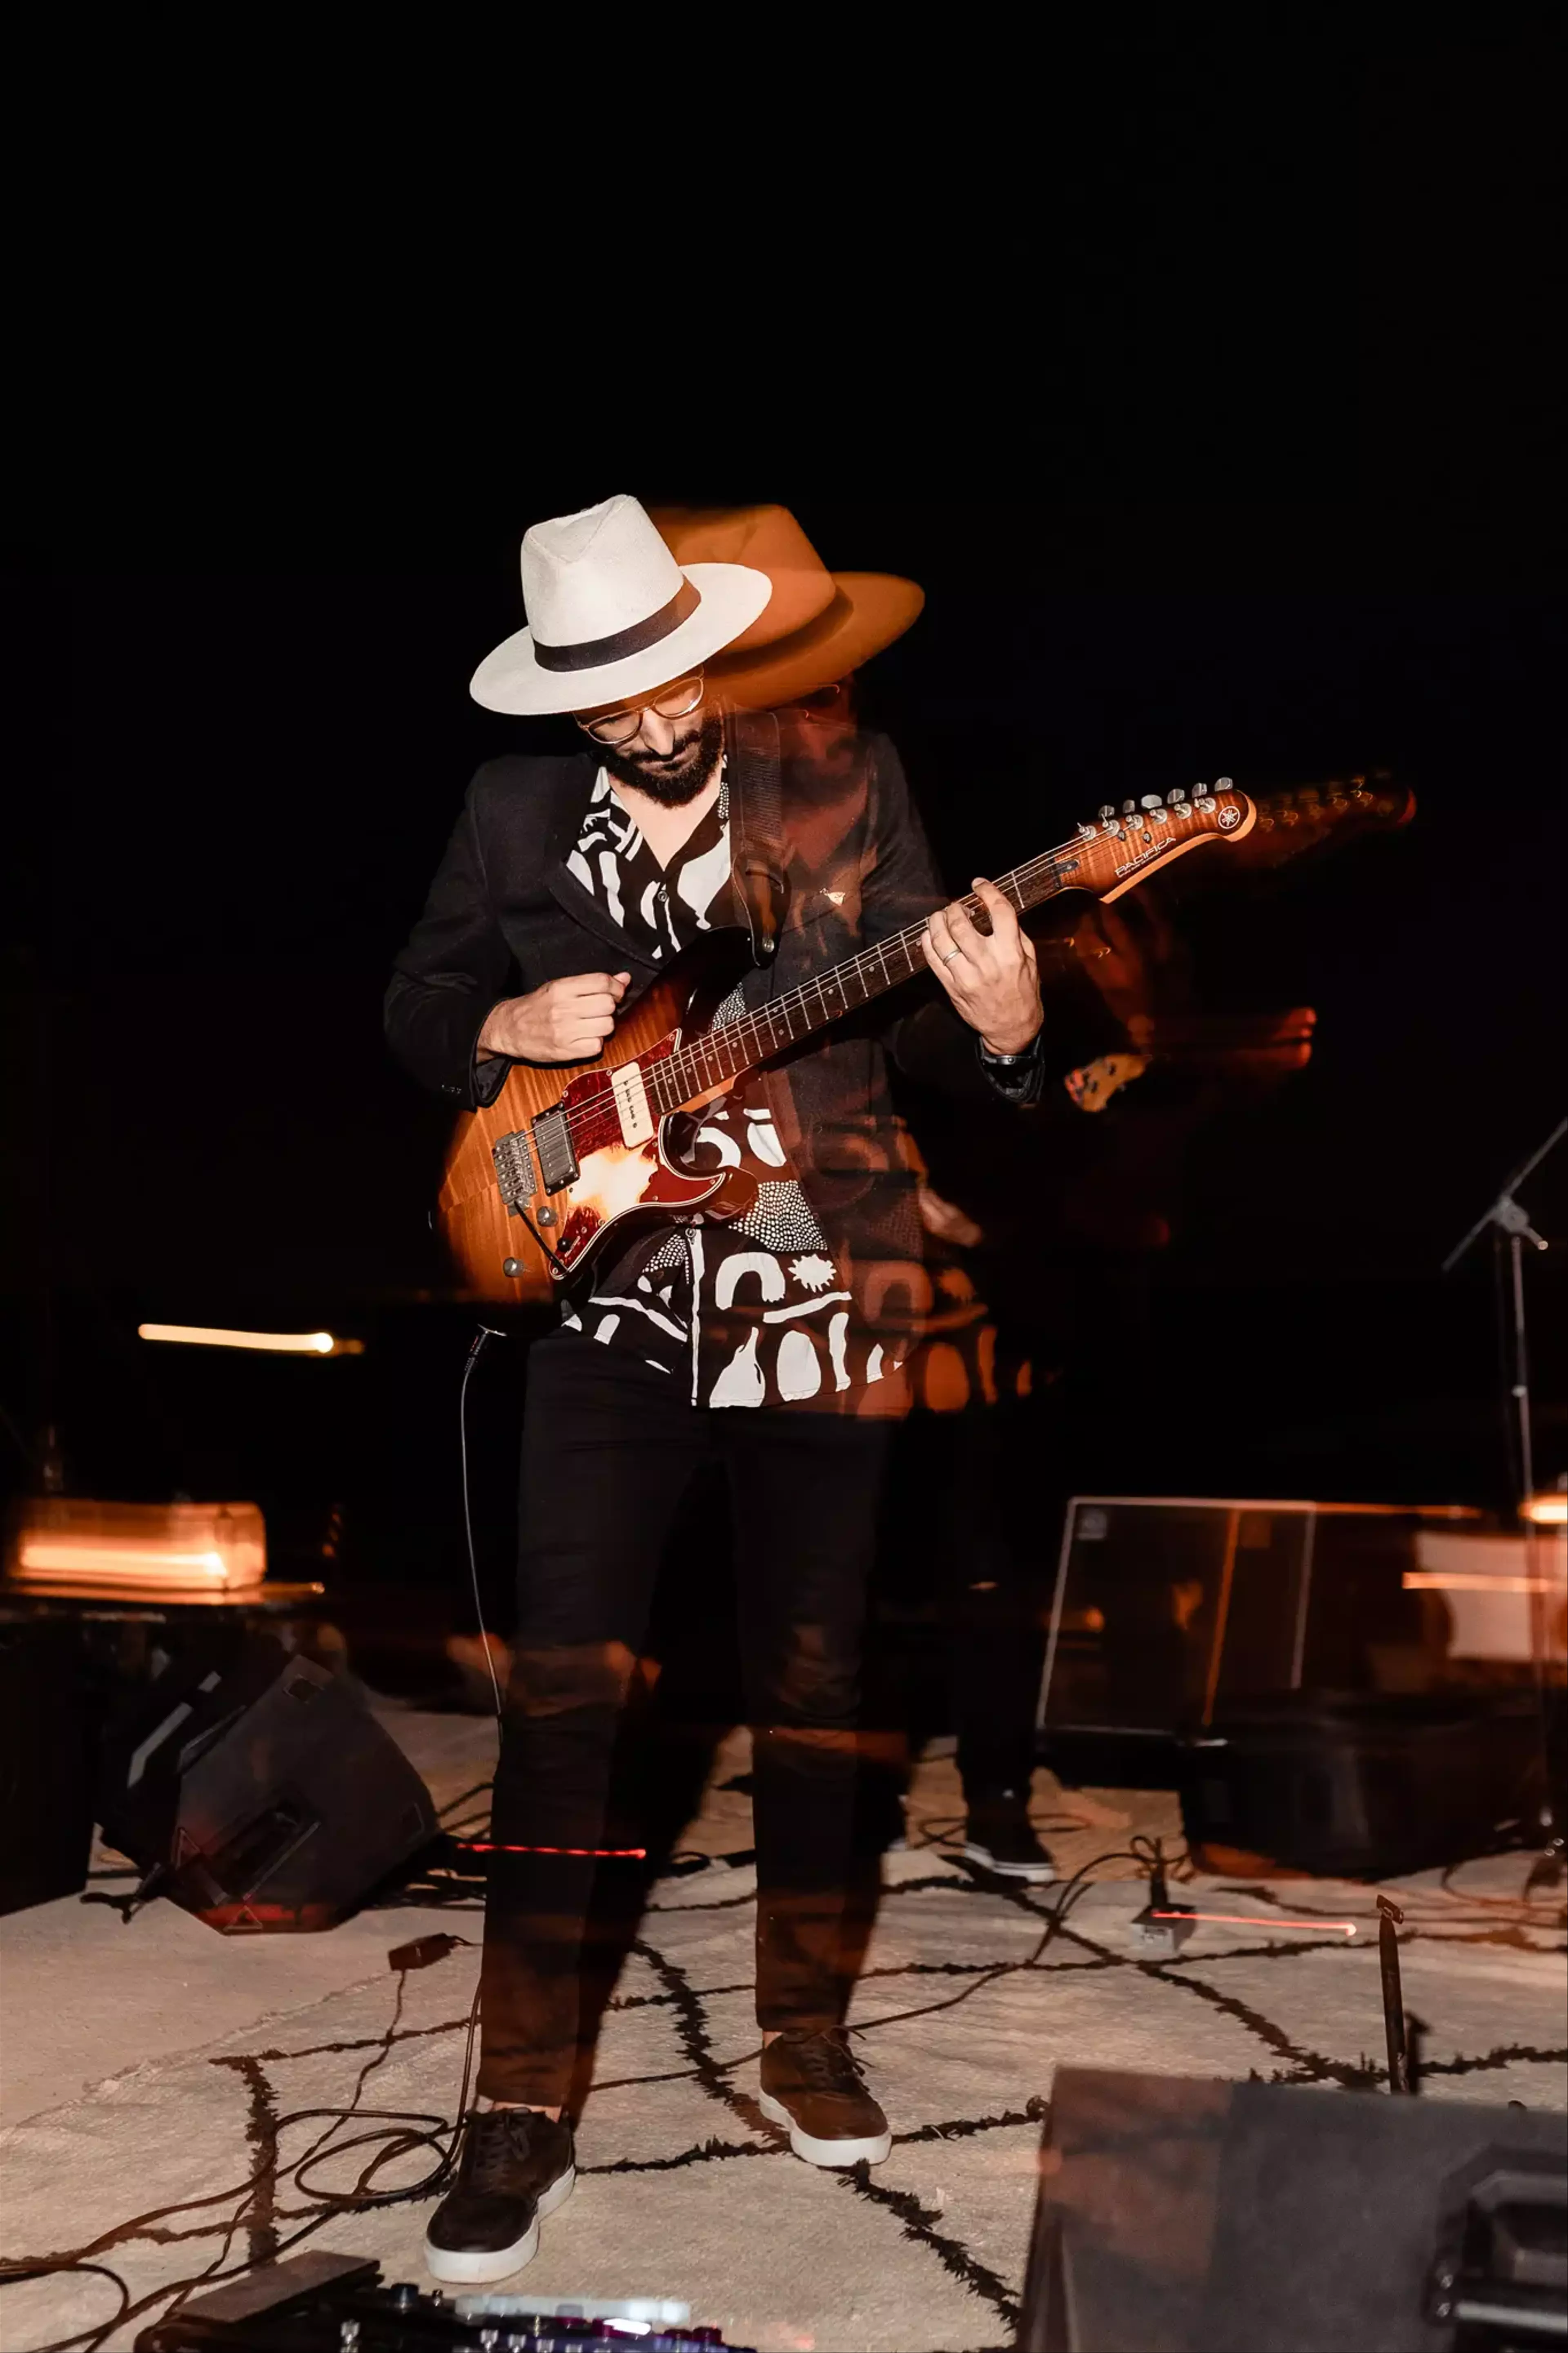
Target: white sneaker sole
[825,2152]
[1037,1874]
[479,2267]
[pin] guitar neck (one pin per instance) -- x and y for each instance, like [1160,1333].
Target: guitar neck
[1105,859]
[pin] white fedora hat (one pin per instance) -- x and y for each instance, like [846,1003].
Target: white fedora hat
[611,614]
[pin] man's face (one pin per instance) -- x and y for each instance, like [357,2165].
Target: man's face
[670,759]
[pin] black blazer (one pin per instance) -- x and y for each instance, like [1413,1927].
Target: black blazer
[828,857]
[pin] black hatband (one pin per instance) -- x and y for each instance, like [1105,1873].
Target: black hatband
[597,653]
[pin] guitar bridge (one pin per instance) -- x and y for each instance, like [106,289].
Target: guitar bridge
[557,1161]
[514,1170]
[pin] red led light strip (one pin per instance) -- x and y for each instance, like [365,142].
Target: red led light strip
[1255,1920]
[603,1853]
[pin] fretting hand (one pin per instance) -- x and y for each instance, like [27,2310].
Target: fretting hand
[990,976]
[565,1021]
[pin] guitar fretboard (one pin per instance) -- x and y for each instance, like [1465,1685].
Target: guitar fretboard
[758,1035]
[1102,858]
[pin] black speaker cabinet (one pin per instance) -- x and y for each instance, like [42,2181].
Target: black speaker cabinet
[260,1790]
[1168,1608]
[46,1781]
[1362,1785]
[1178,2216]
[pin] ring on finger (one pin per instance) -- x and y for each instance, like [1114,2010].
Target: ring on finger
[950,954]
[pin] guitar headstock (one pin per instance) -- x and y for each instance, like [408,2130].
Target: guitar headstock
[1309,817]
[1128,843]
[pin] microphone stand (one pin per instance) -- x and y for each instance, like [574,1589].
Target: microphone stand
[1509,1223]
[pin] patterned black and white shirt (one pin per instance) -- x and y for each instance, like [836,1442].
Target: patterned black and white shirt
[744,1311]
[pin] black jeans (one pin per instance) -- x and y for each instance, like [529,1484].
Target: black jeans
[610,1445]
[995,1592]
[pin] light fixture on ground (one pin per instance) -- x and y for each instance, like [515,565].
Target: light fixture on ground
[65,1544]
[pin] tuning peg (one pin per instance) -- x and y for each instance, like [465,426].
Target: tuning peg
[1224,784]
[1177,793]
[1086,833]
[1206,802]
[1129,808]
[1150,801]
[1108,809]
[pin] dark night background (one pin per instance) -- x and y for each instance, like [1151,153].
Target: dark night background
[263,766]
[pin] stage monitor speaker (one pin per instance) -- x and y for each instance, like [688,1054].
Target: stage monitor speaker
[258,1791]
[1178,2216]
[1168,1608]
[46,1779]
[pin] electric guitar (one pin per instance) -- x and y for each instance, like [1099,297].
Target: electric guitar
[1258,1047]
[1307,818]
[537,1181]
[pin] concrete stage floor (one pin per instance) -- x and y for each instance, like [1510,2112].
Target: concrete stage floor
[148,2072]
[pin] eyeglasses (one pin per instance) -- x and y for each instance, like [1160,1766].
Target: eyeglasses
[619,726]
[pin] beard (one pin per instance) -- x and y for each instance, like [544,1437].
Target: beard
[674,782]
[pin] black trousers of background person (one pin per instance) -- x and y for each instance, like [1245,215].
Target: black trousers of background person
[610,1445]
[969,1528]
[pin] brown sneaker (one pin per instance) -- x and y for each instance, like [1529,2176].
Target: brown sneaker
[811,2086]
[515,2165]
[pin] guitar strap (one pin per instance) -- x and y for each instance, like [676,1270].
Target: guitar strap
[759,861]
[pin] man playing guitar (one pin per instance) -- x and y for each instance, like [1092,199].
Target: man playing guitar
[767,1331]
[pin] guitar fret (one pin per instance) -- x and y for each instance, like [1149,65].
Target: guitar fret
[745,1042]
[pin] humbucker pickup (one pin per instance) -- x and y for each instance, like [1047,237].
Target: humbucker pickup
[552,1142]
[514,1169]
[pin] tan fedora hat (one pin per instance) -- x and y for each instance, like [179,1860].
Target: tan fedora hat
[817,625]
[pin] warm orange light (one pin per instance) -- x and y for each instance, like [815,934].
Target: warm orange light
[286,1343]
[1548,1511]
[1432,1580]
[61,1543]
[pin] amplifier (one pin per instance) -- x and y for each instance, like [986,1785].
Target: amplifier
[1168,1608]
[1361,1785]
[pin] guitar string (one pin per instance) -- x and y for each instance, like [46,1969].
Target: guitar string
[755,1033]
[748,1031]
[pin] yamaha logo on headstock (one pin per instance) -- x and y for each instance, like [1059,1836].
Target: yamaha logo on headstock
[1154,829]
